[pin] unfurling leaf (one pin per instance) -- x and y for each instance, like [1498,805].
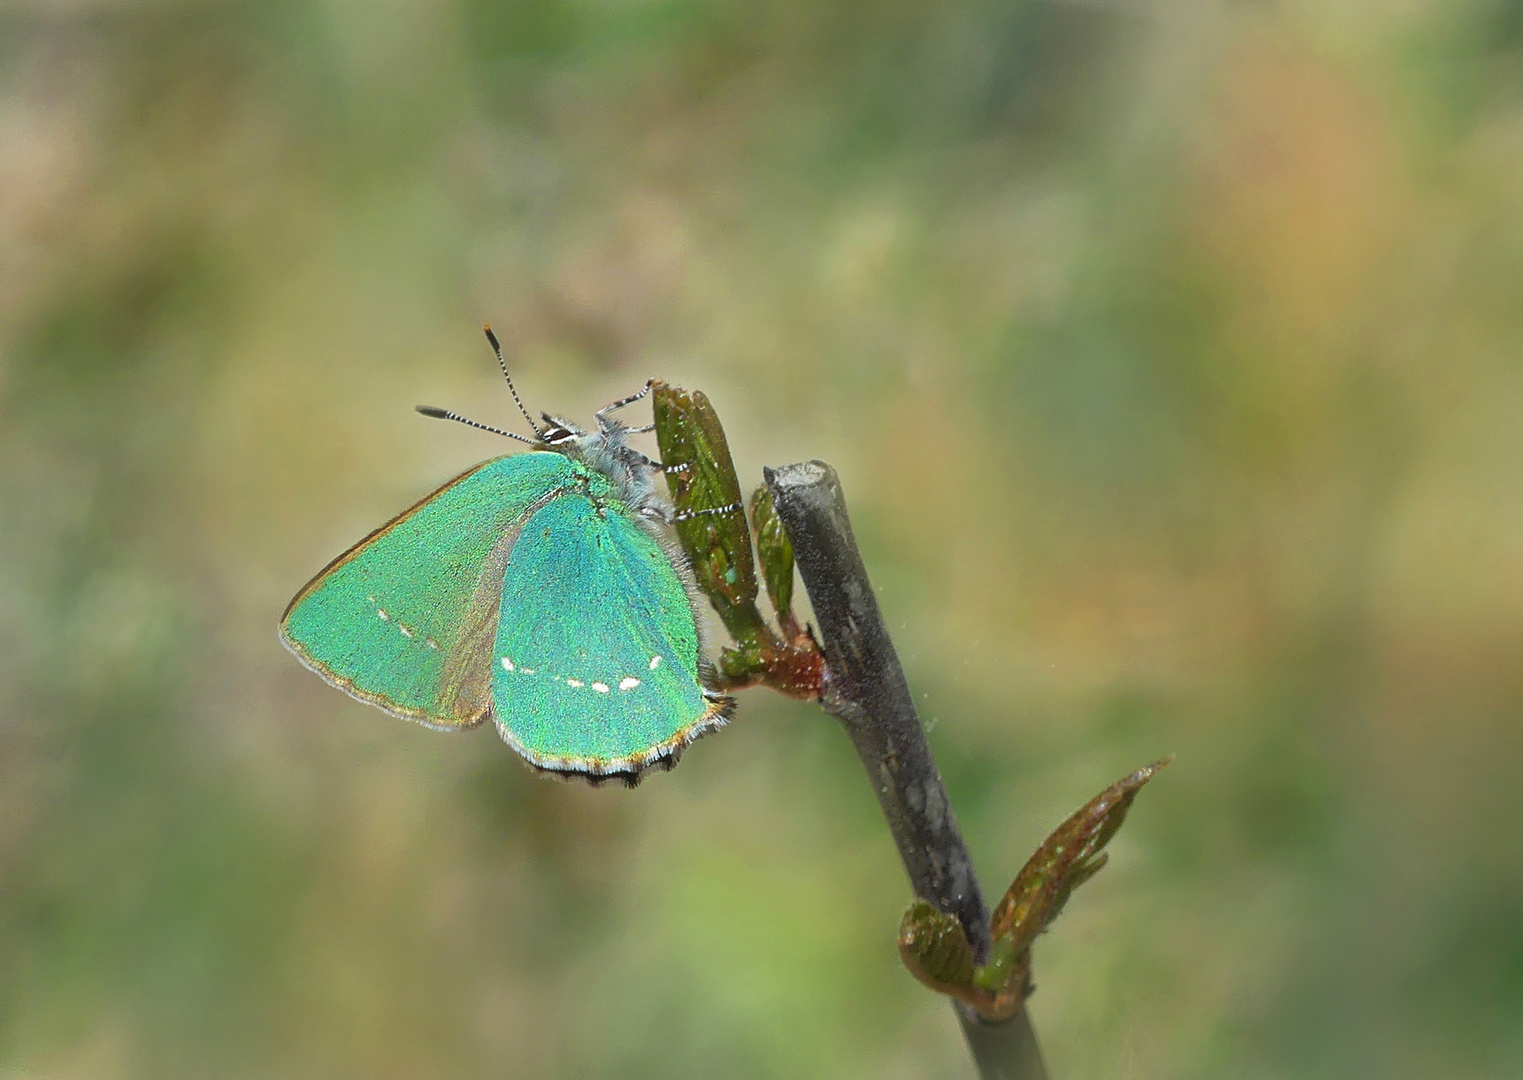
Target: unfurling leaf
[706,492]
[775,551]
[935,948]
[711,525]
[1067,859]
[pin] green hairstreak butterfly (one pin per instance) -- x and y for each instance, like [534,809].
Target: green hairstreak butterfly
[538,589]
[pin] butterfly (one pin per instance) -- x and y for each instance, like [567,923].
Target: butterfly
[539,589]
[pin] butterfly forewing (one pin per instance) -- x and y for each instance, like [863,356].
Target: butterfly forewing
[595,666]
[406,618]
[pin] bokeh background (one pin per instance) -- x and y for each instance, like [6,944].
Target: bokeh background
[1169,353]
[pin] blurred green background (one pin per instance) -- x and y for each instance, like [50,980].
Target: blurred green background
[1169,353]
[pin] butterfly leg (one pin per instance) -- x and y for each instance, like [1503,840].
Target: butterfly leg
[602,414]
[667,515]
[636,458]
[688,515]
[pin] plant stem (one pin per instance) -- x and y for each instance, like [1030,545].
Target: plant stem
[1007,1050]
[865,689]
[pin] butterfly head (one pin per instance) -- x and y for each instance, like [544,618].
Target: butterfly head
[605,450]
[559,434]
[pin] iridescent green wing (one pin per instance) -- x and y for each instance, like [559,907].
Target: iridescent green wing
[405,619]
[596,664]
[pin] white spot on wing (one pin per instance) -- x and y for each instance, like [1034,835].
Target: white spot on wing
[629,682]
[382,613]
[507,665]
[600,687]
[576,683]
[655,662]
[406,630]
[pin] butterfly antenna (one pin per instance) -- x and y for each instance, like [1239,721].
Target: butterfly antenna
[502,363]
[445,414]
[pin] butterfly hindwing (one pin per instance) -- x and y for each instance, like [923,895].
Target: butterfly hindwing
[406,618]
[596,660]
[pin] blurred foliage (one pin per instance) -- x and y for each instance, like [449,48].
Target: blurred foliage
[1169,357]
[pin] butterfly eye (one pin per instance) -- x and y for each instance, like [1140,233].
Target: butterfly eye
[557,430]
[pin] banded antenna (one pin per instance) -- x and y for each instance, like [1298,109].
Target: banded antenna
[445,414]
[503,364]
